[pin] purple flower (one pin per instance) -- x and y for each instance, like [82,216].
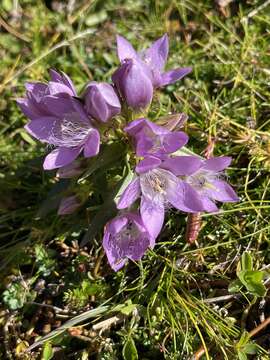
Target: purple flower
[133,82]
[101,101]
[68,205]
[205,177]
[59,119]
[152,139]
[126,237]
[154,59]
[43,99]
[158,189]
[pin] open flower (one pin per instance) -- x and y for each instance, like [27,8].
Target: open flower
[154,59]
[152,139]
[43,99]
[132,80]
[158,189]
[126,237]
[101,101]
[59,119]
[205,177]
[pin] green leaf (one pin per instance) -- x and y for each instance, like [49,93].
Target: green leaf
[129,350]
[128,309]
[53,198]
[184,151]
[47,353]
[241,355]
[246,261]
[235,286]
[96,18]
[70,323]
[251,349]
[252,280]
[109,154]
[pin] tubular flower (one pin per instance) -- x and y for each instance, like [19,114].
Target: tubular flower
[152,139]
[57,118]
[133,82]
[158,189]
[126,237]
[205,177]
[154,59]
[101,101]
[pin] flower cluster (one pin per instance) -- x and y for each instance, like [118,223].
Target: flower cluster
[74,125]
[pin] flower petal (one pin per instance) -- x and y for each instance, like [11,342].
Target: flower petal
[60,157]
[217,163]
[135,126]
[185,198]
[41,128]
[130,194]
[116,224]
[209,205]
[157,53]
[56,88]
[28,109]
[148,163]
[174,141]
[58,105]
[152,216]
[124,49]
[222,192]
[91,146]
[112,251]
[172,76]
[182,165]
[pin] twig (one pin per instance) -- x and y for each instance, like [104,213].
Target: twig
[259,327]
[105,324]
[220,299]
[45,54]
[198,354]
[12,31]
[55,308]
[255,11]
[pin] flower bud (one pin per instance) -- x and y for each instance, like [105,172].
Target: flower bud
[133,82]
[101,101]
[68,205]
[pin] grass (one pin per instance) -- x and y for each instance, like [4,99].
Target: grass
[175,303]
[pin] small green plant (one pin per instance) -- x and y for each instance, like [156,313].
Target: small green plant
[79,296]
[17,294]
[250,279]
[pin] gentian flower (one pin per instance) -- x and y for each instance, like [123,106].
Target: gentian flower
[101,101]
[132,80]
[43,99]
[153,60]
[205,177]
[152,139]
[126,237]
[159,189]
[59,119]
[68,205]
